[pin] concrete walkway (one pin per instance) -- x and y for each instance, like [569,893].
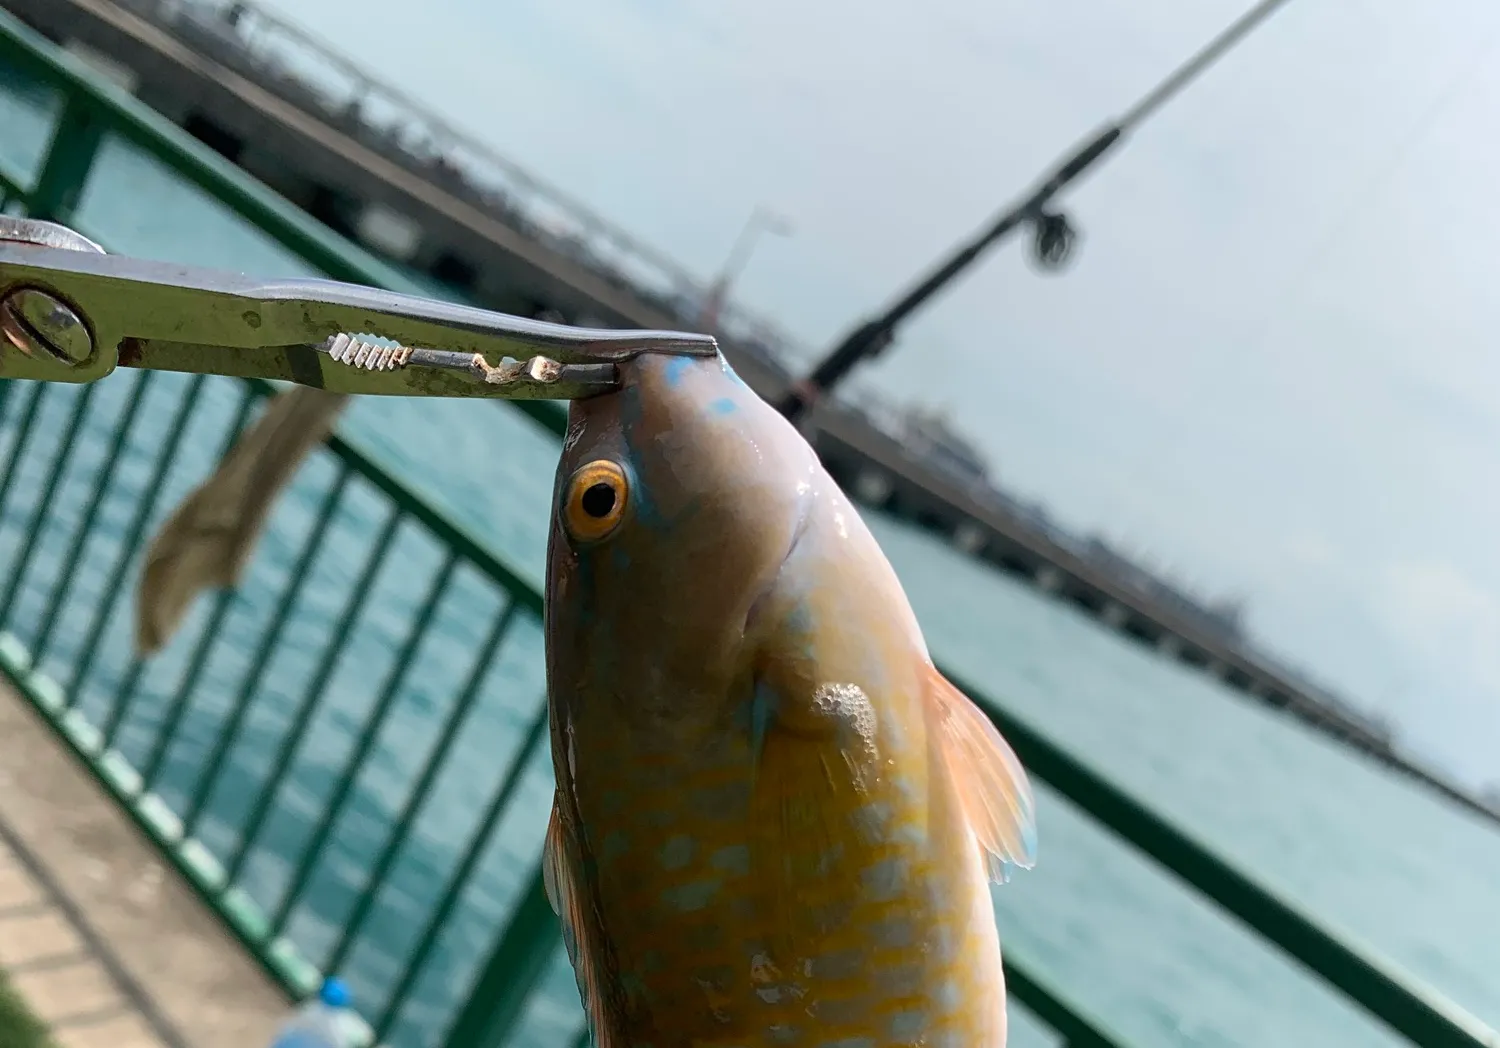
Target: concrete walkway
[50,964]
[103,939]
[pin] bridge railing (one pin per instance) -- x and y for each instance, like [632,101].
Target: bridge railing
[310,71]
[345,755]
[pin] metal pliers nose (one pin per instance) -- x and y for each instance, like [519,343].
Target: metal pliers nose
[69,312]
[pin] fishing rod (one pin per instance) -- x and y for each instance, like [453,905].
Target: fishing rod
[1053,236]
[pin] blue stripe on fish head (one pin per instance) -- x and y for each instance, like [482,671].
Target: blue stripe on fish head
[646,511]
[632,412]
[734,376]
[621,558]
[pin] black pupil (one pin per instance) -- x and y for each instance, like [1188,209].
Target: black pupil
[598,500]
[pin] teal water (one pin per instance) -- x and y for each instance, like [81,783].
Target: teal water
[1370,853]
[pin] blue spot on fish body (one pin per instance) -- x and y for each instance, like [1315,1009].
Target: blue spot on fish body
[614,845]
[676,368]
[723,406]
[830,857]
[733,859]
[948,995]
[907,1026]
[911,834]
[677,853]
[895,932]
[690,897]
[872,818]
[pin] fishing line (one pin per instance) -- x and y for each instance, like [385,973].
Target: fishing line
[1394,162]
[1054,236]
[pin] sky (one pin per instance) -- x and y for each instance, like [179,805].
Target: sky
[1269,368]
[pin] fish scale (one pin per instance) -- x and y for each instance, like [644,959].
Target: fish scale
[823,994]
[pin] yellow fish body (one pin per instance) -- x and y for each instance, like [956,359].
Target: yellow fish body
[775,822]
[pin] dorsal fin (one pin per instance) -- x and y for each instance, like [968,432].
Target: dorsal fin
[991,784]
[580,933]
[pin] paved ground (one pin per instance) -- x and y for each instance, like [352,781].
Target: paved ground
[52,968]
[106,943]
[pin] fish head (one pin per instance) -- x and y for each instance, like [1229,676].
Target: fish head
[678,497]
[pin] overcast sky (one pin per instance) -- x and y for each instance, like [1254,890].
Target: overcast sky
[1271,367]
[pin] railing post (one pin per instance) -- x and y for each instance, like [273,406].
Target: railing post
[504,986]
[70,158]
[1076,1027]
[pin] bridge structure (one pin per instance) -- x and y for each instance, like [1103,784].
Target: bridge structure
[383,170]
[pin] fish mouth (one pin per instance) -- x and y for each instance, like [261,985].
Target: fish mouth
[757,606]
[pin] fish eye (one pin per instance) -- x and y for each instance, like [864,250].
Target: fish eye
[595,502]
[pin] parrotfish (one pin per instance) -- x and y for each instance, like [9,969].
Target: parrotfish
[775,822]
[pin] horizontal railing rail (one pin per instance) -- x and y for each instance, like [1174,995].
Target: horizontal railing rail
[345,756]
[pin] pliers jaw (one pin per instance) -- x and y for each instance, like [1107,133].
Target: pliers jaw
[69,312]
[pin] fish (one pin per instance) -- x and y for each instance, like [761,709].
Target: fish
[212,534]
[209,538]
[775,822]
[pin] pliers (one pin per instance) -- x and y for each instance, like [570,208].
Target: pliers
[70,312]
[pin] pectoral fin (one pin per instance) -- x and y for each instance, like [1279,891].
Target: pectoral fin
[991,783]
[812,816]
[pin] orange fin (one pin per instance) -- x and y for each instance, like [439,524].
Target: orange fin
[559,859]
[991,783]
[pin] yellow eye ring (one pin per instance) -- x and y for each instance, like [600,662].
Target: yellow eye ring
[596,499]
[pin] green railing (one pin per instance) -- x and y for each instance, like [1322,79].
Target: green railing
[410,854]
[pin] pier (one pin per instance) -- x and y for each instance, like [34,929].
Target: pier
[96,931]
[422,194]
